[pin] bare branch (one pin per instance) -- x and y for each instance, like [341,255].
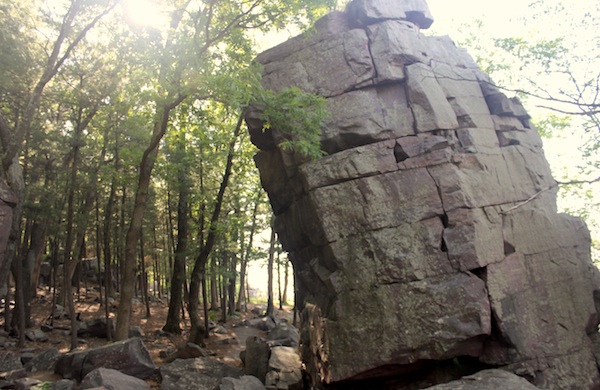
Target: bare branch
[555,185]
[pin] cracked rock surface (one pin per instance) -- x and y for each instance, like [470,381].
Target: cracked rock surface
[427,242]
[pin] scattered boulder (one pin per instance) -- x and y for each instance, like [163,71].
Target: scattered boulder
[256,358]
[135,331]
[59,312]
[245,382]
[129,356]
[95,327]
[487,380]
[26,383]
[26,357]
[112,380]
[10,361]
[284,334]
[37,335]
[188,351]
[263,323]
[64,384]
[285,369]
[44,361]
[219,329]
[200,373]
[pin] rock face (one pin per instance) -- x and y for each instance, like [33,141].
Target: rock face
[429,232]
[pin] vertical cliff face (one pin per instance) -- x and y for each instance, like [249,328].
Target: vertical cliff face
[429,233]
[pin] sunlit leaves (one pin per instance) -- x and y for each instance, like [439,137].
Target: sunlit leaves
[298,116]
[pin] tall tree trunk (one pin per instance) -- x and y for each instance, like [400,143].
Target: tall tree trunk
[246,257]
[135,226]
[279,295]
[286,277]
[12,139]
[178,277]
[197,329]
[224,285]
[270,307]
[144,277]
[232,280]
[214,285]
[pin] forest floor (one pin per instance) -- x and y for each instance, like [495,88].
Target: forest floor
[225,347]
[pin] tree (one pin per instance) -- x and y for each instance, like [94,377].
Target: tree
[22,99]
[555,72]
[200,39]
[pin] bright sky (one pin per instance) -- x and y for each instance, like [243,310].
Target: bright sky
[496,14]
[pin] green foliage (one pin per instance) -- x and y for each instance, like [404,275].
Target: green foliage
[552,124]
[299,117]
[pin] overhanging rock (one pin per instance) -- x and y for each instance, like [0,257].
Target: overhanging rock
[429,235]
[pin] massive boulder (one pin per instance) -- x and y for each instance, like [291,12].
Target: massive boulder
[429,234]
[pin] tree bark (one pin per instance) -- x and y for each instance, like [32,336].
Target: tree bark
[178,277]
[198,273]
[270,307]
[135,226]
[242,298]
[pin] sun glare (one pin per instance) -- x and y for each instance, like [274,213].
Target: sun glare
[144,13]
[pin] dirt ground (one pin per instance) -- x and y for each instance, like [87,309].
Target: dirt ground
[221,346]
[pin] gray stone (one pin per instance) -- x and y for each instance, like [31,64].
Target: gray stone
[428,100]
[64,384]
[112,380]
[373,11]
[188,351]
[430,230]
[336,65]
[353,122]
[10,361]
[37,335]
[488,380]
[395,44]
[263,323]
[95,327]
[199,373]
[26,383]
[245,382]
[135,331]
[285,369]
[130,357]
[44,361]
[284,334]
[256,358]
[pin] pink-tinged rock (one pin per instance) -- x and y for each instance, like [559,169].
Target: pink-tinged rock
[376,202]
[350,164]
[428,101]
[394,45]
[366,12]
[474,238]
[412,322]
[328,67]
[488,380]
[353,121]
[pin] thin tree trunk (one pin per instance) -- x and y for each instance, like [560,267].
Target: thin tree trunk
[286,276]
[144,278]
[214,286]
[135,227]
[178,278]
[242,298]
[280,295]
[270,307]
[224,286]
[197,329]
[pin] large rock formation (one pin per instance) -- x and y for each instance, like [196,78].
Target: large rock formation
[428,237]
